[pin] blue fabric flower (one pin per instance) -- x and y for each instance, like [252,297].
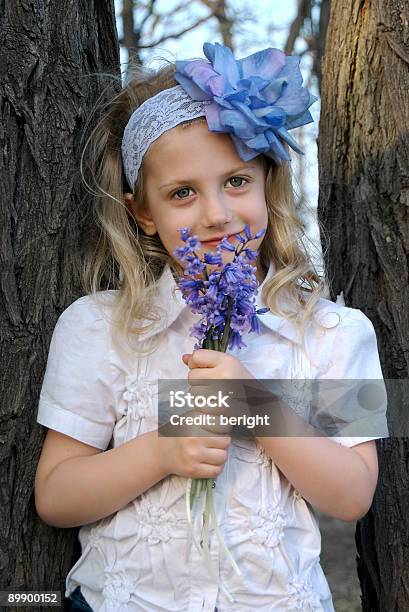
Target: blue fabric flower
[256,99]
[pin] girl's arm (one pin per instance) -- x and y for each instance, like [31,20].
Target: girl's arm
[77,484]
[338,480]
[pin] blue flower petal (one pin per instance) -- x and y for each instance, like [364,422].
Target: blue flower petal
[237,123]
[266,63]
[257,122]
[259,143]
[274,90]
[290,140]
[217,85]
[209,51]
[213,118]
[303,119]
[293,100]
[274,116]
[223,61]
[276,145]
[245,153]
[191,88]
[253,86]
[291,71]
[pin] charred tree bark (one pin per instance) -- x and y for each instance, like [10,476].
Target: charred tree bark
[364,204]
[48,50]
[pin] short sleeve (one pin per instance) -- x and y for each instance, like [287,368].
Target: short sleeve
[76,397]
[354,363]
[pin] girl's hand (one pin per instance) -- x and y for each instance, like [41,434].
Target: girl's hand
[209,364]
[192,457]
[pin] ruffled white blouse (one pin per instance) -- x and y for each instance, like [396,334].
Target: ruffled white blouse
[135,559]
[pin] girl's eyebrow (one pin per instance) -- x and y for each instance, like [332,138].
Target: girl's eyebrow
[188,181]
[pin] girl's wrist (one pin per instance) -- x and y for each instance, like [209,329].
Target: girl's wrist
[163,449]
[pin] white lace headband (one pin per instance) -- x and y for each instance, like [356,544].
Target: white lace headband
[156,115]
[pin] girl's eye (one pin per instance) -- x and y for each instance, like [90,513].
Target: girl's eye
[238,178]
[184,192]
[181,191]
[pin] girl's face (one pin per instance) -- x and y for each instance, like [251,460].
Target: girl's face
[195,178]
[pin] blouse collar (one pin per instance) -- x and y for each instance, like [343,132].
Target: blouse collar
[170,299]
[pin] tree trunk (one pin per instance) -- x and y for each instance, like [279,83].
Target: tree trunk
[132,36]
[225,23]
[48,49]
[363,202]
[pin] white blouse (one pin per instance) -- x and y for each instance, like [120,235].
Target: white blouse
[134,560]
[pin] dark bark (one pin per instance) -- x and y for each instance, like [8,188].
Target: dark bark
[363,202]
[47,51]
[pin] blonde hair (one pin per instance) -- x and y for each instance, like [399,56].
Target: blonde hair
[124,258]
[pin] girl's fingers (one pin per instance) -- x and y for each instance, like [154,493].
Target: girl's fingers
[217,430]
[218,441]
[196,380]
[214,456]
[202,358]
[209,471]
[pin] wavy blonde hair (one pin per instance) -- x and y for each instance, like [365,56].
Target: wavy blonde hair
[122,257]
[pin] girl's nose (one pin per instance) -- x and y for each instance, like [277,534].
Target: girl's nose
[215,211]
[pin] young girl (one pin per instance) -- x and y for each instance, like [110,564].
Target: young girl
[202,144]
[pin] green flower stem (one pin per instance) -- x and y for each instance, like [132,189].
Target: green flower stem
[204,550]
[209,514]
[189,505]
[225,338]
[196,486]
[219,535]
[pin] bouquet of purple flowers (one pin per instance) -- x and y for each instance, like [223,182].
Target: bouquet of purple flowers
[225,297]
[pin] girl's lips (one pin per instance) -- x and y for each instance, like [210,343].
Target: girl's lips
[232,239]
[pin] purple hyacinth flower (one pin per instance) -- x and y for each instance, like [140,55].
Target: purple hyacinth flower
[213,258]
[224,297]
[184,233]
[225,245]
